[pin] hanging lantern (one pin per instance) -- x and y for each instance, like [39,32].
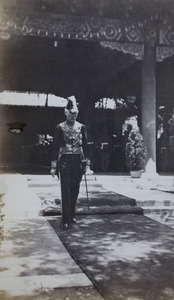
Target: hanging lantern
[16,127]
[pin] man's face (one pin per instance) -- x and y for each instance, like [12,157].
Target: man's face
[71,115]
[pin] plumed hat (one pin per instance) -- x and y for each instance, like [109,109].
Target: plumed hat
[72,104]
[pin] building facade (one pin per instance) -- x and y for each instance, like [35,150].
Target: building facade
[146,37]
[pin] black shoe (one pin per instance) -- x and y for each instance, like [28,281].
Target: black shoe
[65,226]
[73,220]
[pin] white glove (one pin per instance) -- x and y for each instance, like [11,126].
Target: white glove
[53,168]
[53,172]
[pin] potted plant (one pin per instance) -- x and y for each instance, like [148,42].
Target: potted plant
[135,153]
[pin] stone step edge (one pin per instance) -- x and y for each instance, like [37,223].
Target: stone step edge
[158,207]
[154,204]
[101,210]
[37,185]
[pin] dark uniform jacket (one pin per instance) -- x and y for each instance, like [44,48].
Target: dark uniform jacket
[69,140]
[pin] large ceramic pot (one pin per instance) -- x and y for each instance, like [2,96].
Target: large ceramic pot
[136,174]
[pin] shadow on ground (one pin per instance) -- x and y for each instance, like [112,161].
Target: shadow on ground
[127,257]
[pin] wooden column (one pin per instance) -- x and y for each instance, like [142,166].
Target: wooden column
[149,105]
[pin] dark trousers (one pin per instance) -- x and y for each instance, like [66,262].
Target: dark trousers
[70,177]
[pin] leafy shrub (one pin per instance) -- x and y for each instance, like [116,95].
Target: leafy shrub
[135,151]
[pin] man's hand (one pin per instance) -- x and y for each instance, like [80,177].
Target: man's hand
[85,165]
[53,167]
[53,172]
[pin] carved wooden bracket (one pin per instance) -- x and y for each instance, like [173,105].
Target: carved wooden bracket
[60,26]
[163,52]
[137,50]
[126,36]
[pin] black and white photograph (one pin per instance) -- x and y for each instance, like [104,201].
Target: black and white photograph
[86,149]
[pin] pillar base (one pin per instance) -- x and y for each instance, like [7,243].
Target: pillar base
[150,175]
[150,168]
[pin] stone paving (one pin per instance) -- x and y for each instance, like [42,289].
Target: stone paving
[126,256]
[34,263]
[155,195]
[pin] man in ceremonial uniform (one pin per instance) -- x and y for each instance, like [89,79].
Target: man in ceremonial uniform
[69,159]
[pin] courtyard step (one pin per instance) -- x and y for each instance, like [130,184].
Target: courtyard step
[156,203]
[93,198]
